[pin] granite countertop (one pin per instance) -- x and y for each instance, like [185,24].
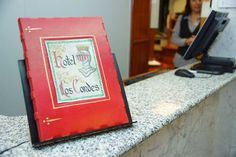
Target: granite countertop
[154,103]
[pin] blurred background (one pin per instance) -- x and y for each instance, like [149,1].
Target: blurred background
[139,32]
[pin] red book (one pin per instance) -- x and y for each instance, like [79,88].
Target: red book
[72,76]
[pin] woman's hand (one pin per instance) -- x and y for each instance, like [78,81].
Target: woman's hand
[189,41]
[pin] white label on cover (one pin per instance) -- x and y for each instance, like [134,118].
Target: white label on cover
[75,69]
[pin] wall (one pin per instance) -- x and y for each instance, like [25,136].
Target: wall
[227,39]
[116,16]
[155,5]
[177,6]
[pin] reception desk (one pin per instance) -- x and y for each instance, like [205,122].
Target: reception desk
[175,117]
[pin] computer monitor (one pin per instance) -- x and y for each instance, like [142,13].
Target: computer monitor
[214,24]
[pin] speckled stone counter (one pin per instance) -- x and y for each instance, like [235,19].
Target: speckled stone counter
[154,103]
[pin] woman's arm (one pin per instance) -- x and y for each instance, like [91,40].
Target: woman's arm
[176,39]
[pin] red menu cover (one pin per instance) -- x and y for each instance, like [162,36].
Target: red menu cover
[73,80]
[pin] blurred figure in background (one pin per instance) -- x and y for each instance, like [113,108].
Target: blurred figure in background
[186,27]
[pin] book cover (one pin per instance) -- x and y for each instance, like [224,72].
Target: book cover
[73,81]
